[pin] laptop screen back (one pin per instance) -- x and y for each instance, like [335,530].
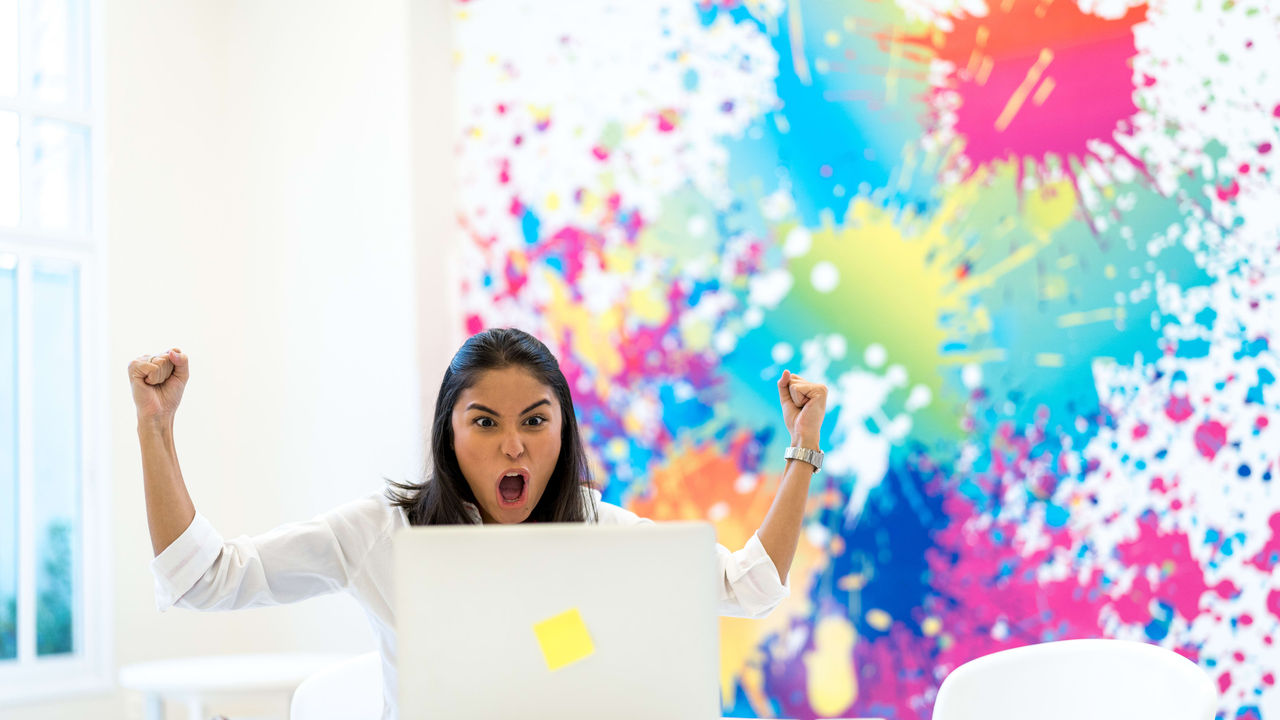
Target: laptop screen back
[571,622]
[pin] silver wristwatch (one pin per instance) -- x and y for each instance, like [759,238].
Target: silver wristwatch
[813,457]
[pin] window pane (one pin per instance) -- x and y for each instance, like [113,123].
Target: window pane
[8,48]
[10,199]
[59,175]
[58,44]
[56,458]
[8,458]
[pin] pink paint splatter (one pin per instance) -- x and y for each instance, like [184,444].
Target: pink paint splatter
[1273,603]
[667,120]
[1178,408]
[1269,555]
[1180,579]
[1023,67]
[1210,436]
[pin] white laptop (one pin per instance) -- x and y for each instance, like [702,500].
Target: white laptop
[557,622]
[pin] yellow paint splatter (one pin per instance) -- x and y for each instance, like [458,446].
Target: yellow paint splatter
[879,619]
[931,626]
[1019,96]
[852,582]
[1076,319]
[594,337]
[1054,287]
[1050,360]
[832,682]
[647,305]
[695,334]
[1051,206]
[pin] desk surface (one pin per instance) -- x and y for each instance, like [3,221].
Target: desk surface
[225,673]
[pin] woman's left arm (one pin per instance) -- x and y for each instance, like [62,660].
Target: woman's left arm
[804,404]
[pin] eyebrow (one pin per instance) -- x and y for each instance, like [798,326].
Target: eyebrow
[491,411]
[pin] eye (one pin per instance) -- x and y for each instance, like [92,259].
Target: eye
[536,420]
[484,422]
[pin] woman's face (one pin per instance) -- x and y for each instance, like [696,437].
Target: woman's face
[506,435]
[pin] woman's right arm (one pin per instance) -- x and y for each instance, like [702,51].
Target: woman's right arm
[195,567]
[158,382]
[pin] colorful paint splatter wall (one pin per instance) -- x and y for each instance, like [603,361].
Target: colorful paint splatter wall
[1030,245]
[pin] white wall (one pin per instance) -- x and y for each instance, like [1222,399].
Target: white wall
[261,189]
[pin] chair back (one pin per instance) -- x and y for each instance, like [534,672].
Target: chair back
[1074,679]
[349,690]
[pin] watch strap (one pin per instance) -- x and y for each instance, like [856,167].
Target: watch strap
[813,457]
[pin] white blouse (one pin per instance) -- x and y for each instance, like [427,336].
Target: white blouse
[348,549]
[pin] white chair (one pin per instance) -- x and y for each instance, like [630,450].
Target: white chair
[1074,679]
[349,690]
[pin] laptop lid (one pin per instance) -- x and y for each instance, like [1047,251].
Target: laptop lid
[571,622]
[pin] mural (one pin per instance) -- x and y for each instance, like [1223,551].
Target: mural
[1030,245]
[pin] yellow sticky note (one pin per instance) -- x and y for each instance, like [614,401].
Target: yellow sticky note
[564,639]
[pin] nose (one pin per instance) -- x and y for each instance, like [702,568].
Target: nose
[512,446]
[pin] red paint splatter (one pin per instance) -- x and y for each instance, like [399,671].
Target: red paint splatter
[601,153]
[1210,437]
[1140,431]
[474,324]
[1024,67]
[1224,682]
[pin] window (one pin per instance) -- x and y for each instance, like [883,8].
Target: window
[52,549]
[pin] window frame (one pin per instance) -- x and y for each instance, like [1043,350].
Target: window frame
[88,669]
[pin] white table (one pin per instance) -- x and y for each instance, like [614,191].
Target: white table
[194,681]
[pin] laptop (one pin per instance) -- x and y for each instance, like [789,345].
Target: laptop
[557,622]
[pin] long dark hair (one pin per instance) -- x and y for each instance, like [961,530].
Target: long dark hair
[439,498]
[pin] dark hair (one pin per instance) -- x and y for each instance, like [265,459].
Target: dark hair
[438,499]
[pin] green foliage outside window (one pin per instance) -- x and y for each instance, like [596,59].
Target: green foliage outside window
[8,628]
[54,626]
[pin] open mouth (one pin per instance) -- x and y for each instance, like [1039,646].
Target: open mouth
[513,488]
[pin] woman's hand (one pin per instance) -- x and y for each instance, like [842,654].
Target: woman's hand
[804,404]
[158,382]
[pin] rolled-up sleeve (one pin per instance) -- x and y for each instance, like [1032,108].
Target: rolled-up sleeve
[178,567]
[751,586]
[202,571]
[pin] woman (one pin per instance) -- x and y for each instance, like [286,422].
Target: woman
[505,448]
